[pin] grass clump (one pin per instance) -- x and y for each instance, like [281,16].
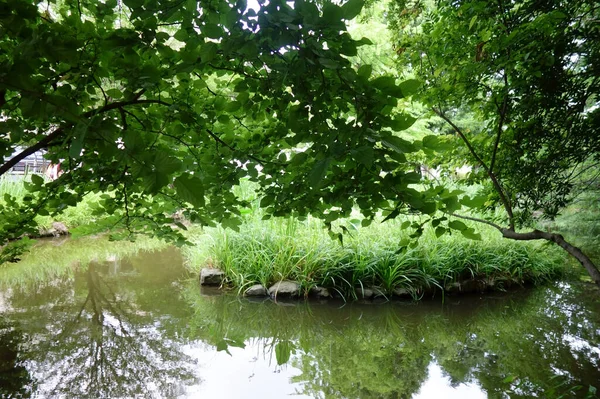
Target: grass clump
[265,252]
[71,216]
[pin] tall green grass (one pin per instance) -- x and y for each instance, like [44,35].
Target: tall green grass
[73,216]
[269,251]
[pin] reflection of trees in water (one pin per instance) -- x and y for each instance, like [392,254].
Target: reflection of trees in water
[15,381]
[521,346]
[546,347]
[102,346]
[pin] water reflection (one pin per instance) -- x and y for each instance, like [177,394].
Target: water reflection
[136,327]
[95,336]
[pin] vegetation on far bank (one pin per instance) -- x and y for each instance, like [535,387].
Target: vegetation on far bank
[267,251]
[56,258]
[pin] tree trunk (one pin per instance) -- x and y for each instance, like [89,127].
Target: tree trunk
[559,240]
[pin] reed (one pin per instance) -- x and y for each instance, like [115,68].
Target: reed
[285,248]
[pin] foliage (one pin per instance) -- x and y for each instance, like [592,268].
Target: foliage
[269,251]
[158,107]
[529,72]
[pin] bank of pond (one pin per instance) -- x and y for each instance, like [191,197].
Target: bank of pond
[93,318]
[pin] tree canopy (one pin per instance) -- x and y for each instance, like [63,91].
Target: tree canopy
[529,72]
[164,106]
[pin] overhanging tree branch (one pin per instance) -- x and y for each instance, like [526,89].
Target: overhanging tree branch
[48,139]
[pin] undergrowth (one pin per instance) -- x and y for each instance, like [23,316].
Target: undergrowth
[265,252]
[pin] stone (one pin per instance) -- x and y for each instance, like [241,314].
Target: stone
[472,285]
[60,229]
[320,292]
[365,293]
[211,276]
[256,290]
[402,293]
[57,229]
[286,288]
[453,287]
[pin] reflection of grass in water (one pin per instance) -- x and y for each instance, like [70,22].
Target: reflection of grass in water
[268,251]
[53,258]
[511,343]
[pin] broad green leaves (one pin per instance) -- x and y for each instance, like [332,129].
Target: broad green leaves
[166,110]
[190,189]
[352,8]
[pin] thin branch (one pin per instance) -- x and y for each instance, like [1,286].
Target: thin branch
[47,140]
[491,175]
[500,123]
[236,71]
[101,89]
[135,117]
[478,220]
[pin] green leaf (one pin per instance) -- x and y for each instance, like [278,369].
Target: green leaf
[472,22]
[114,93]
[233,106]
[332,14]
[181,35]
[409,87]
[318,172]
[457,225]
[383,82]
[475,202]
[471,234]
[190,189]
[37,180]
[267,200]
[451,203]
[222,346]
[76,145]
[364,41]
[133,3]
[509,379]
[212,31]
[364,155]
[329,63]
[208,51]
[440,231]
[392,215]
[166,163]
[403,122]
[398,144]
[365,71]
[352,8]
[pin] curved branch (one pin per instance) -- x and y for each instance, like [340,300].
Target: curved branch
[561,242]
[491,175]
[47,140]
[494,225]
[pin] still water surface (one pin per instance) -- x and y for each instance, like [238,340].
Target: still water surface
[141,327]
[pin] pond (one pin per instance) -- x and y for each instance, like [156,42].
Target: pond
[140,326]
